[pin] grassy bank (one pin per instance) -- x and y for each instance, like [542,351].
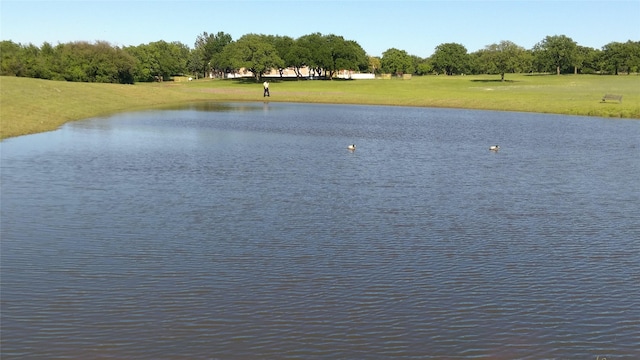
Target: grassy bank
[31,105]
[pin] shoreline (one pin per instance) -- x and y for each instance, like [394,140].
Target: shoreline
[30,106]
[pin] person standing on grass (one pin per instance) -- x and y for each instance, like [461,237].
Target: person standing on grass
[266,89]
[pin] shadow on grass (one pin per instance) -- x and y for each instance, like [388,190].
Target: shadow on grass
[493,81]
[253,81]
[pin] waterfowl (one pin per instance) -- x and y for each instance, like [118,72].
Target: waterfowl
[494,147]
[351,147]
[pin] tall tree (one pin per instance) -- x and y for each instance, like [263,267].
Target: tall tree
[195,64]
[255,53]
[581,56]
[159,60]
[418,65]
[375,64]
[346,55]
[614,55]
[297,57]
[450,58]
[209,47]
[555,51]
[622,57]
[145,62]
[423,66]
[10,63]
[397,62]
[330,53]
[169,59]
[504,57]
[109,64]
[593,62]
[47,57]
[633,61]
[319,52]
[283,45]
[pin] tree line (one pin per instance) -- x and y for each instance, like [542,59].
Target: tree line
[218,54]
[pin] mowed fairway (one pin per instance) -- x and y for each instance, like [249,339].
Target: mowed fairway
[32,105]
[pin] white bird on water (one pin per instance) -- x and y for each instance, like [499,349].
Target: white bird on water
[351,147]
[494,147]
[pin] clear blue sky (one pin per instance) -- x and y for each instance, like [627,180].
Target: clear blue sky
[416,26]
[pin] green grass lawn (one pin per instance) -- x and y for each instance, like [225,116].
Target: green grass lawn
[31,105]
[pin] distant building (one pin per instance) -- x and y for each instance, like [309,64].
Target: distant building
[305,72]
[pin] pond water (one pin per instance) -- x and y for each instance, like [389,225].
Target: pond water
[249,231]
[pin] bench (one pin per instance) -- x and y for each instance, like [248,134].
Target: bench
[617,98]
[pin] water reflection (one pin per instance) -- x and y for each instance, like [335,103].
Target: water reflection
[215,107]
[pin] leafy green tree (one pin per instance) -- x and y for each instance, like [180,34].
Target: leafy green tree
[450,58]
[556,52]
[319,52]
[209,47]
[375,64]
[424,67]
[171,57]
[159,60]
[145,62]
[86,62]
[580,58]
[108,64]
[254,53]
[504,57]
[331,53]
[593,62]
[195,64]
[283,45]
[633,61]
[124,66]
[46,58]
[325,54]
[346,55]
[339,54]
[10,64]
[73,61]
[397,62]
[478,62]
[25,60]
[614,55]
[101,67]
[622,57]
[297,57]
[29,57]
[416,63]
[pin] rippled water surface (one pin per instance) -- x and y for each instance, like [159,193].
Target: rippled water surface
[249,231]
